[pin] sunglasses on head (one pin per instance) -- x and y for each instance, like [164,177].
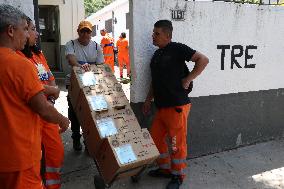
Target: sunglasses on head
[85,30]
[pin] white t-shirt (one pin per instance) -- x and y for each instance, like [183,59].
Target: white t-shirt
[91,54]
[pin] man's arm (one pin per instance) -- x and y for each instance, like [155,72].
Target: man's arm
[46,111]
[201,62]
[100,55]
[52,83]
[71,58]
[147,104]
[71,54]
[51,91]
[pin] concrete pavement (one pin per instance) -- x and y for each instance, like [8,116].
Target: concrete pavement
[259,166]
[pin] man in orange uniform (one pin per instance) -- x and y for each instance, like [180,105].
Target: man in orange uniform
[123,54]
[22,101]
[169,88]
[107,45]
[51,139]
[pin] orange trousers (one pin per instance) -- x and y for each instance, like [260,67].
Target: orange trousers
[27,179]
[109,57]
[54,155]
[123,58]
[171,123]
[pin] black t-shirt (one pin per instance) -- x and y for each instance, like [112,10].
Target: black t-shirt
[168,68]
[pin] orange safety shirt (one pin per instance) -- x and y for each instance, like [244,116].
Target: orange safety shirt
[43,70]
[20,140]
[122,46]
[107,44]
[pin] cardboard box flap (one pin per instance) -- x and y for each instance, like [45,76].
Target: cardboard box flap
[115,88]
[115,113]
[106,80]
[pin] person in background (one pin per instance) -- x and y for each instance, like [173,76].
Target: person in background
[22,104]
[169,89]
[51,140]
[107,45]
[123,54]
[81,52]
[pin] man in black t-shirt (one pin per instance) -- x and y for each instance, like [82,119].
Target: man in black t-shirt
[171,80]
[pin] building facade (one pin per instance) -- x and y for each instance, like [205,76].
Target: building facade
[57,22]
[115,18]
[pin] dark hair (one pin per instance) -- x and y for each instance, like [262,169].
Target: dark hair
[29,50]
[123,35]
[166,26]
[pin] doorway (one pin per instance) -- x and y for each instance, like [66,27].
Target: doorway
[50,35]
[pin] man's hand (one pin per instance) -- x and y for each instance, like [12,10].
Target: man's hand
[46,111]
[51,91]
[146,107]
[185,83]
[86,67]
[64,124]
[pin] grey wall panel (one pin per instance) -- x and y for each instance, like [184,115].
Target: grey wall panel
[224,122]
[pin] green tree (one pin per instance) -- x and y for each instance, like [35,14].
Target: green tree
[92,6]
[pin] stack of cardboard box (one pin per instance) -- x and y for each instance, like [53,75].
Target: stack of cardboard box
[110,129]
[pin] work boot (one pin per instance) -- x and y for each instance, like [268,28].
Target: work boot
[77,146]
[164,173]
[174,183]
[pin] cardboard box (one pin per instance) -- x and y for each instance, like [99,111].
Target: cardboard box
[98,129]
[98,100]
[98,75]
[125,152]
[126,113]
[78,80]
[114,120]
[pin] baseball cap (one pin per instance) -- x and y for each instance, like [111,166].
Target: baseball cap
[85,24]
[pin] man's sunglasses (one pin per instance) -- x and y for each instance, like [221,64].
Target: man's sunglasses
[85,31]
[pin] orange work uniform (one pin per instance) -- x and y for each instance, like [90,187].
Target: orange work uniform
[20,137]
[51,139]
[123,55]
[107,45]
[169,122]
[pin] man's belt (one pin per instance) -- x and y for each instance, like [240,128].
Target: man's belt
[109,45]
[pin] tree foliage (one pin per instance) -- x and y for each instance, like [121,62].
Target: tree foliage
[92,6]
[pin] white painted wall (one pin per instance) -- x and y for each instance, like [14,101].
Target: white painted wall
[206,25]
[120,8]
[26,6]
[71,13]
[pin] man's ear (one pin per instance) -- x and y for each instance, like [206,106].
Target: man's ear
[169,35]
[10,30]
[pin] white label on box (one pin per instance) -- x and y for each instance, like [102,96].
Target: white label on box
[98,102]
[125,154]
[106,127]
[88,79]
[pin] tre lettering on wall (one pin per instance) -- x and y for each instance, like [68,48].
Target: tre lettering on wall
[237,51]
